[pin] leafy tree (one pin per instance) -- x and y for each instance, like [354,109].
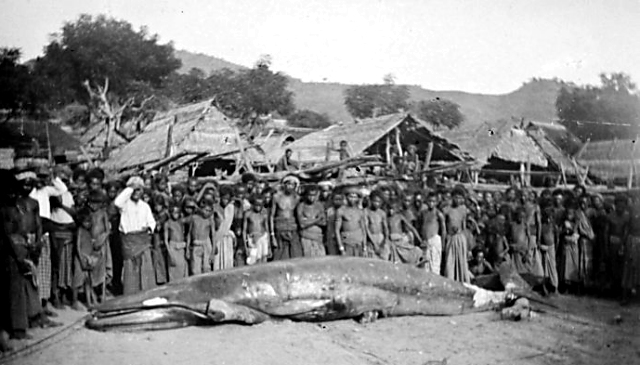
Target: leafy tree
[189,88]
[440,112]
[17,86]
[309,119]
[366,101]
[611,110]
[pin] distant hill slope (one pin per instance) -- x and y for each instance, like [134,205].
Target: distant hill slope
[534,100]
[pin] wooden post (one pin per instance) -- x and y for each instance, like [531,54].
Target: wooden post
[528,178]
[630,182]
[387,151]
[564,176]
[327,153]
[427,157]
[398,142]
[522,173]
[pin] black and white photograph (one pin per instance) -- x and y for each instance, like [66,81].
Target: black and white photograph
[348,182]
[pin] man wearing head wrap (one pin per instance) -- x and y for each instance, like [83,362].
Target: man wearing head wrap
[136,225]
[284,228]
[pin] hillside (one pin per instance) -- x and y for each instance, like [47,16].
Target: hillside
[533,100]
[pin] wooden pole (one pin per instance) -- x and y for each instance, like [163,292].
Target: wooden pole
[387,151]
[528,178]
[327,152]
[398,142]
[564,176]
[427,158]
[630,182]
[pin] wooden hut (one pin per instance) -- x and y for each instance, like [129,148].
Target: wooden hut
[559,145]
[612,161]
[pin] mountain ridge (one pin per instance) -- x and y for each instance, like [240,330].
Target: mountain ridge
[534,100]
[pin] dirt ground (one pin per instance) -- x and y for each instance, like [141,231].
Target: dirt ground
[590,335]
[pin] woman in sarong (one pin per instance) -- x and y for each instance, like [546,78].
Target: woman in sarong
[225,238]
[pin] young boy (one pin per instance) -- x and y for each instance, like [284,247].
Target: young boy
[331,242]
[434,229]
[548,249]
[350,226]
[377,228]
[86,261]
[201,237]
[400,237]
[312,219]
[159,250]
[255,232]
[100,231]
[174,241]
[519,242]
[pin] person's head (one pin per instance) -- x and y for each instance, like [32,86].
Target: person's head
[432,201]
[257,203]
[225,196]
[85,220]
[511,194]
[353,197]
[394,207]
[488,197]
[478,254]
[175,212]
[192,185]
[621,204]
[189,206]
[418,199]
[412,149]
[27,181]
[137,193]
[288,153]
[584,202]
[579,191]
[344,144]
[289,184]
[376,200]
[148,181]
[268,196]
[385,192]
[520,215]
[338,199]
[311,194]
[260,186]
[497,197]
[80,179]
[457,198]
[112,190]
[96,200]
[206,211]
[95,183]
[177,193]
[325,191]
[571,213]
[597,201]
[162,183]
[407,200]
[241,192]
[146,196]
[158,204]
[558,198]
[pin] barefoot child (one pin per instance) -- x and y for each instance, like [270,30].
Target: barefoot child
[85,262]
[401,233]
[255,228]
[456,266]
[434,229]
[331,243]
[350,227]
[100,231]
[548,249]
[519,242]
[377,228]
[174,241]
[312,219]
[201,237]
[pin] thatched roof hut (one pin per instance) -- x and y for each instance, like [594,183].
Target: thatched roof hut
[94,138]
[501,140]
[29,138]
[198,128]
[610,160]
[557,143]
[368,136]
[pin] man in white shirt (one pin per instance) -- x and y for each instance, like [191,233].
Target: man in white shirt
[44,189]
[136,225]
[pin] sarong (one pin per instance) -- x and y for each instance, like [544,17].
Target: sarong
[312,247]
[257,248]
[44,269]
[569,262]
[289,245]
[375,248]
[137,266]
[159,258]
[352,242]
[200,257]
[23,301]
[631,272]
[225,256]
[177,254]
[615,261]
[62,258]
[433,254]
[102,272]
[535,266]
[519,257]
[549,264]
[330,233]
[585,252]
[403,250]
[456,266]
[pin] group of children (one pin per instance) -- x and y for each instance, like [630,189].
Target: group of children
[86,234]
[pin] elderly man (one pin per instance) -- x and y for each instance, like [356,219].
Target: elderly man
[136,225]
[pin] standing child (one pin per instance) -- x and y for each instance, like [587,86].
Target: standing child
[100,231]
[350,226]
[85,262]
[255,232]
[312,219]
[174,241]
[201,236]
[225,237]
[519,242]
[570,257]
[377,228]
[331,242]
[434,230]
[159,250]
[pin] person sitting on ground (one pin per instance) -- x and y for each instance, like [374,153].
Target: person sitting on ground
[479,265]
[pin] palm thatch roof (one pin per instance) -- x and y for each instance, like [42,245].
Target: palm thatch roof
[559,135]
[95,136]
[550,139]
[611,159]
[361,136]
[29,138]
[502,140]
[268,149]
[195,128]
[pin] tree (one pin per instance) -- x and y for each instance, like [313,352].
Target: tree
[309,119]
[106,64]
[366,101]
[440,112]
[249,94]
[611,110]
[17,86]
[189,88]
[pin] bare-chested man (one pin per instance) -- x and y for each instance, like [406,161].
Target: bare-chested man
[377,228]
[401,233]
[434,230]
[350,226]
[284,228]
[255,232]
[312,218]
[616,227]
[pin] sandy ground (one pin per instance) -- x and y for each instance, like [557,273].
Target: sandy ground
[589,336]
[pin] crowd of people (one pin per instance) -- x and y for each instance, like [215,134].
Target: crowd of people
[72,236]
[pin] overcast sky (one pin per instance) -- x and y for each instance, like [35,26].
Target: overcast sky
[477,46]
